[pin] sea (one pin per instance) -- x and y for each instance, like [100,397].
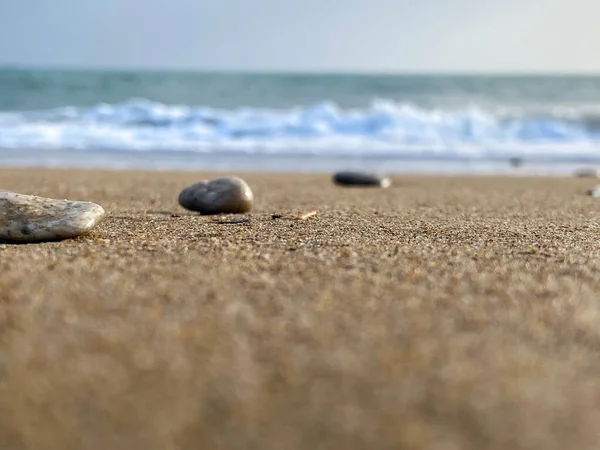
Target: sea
[167,120]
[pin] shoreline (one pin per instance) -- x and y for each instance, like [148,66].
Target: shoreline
[414,169]
[164,161]
[456,311]
[204,173]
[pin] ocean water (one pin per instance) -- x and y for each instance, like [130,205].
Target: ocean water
[182,120]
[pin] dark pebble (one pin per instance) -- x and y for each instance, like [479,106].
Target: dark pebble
[361,179]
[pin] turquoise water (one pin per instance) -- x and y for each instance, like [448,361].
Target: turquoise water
[288,121]
[44,89]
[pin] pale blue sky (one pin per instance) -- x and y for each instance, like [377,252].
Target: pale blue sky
[305,35]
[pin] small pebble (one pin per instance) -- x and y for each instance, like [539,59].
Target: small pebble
[229,195]
[308,215]
[28,218]
[361,179]
[587,172]
[233,220]
[595,192]
[516,161]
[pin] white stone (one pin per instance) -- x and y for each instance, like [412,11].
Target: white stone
[28,218]
[595,192]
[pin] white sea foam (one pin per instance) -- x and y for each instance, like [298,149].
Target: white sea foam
[385,128]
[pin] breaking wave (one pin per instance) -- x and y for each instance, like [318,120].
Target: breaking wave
[384,127]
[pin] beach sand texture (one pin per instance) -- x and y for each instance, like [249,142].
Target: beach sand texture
[442,313]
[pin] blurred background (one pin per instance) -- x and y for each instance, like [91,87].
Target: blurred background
[438,86]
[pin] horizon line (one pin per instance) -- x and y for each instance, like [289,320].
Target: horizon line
[282,71]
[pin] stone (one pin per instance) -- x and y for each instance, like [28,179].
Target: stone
[516,161]
[233,220]
[586,172]
[28,218]
[227,195]
[595,192]
[361,179]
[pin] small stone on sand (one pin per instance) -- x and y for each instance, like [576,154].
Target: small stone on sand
[307,215]
[233,220]
[361,179]
[595,192]
[28,218]
[586,172]
[228,195]
[516,161]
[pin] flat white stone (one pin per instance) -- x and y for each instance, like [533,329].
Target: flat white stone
[28,218]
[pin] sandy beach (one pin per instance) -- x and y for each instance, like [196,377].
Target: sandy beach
[442,313]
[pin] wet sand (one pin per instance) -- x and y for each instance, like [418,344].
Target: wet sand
[441,313]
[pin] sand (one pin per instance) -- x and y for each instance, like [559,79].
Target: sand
[442,313]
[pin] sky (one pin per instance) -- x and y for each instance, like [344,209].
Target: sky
[305,35]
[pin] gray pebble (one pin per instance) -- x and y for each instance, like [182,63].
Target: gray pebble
[361,179]
[516,161]
[233,220]
[586,172]
[228,195]
[28,218]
